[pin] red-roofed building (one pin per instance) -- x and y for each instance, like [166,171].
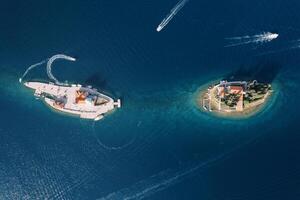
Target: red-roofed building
[236,89]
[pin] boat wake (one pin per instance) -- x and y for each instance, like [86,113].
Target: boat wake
[296,44]
[30,68]
[49,66]
[172,13]
[111,148]
[292,46]
[254,39]
[158,182]
[50,62]
[167,178]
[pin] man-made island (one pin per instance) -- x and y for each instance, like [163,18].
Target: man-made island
[235,98]
[85,102]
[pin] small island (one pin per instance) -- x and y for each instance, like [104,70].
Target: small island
[235,98]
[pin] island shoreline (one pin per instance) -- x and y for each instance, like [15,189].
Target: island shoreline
[202,91]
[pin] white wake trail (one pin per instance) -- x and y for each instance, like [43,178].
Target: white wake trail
[167,178]
[158,182]
[30,68]
[172,13]
[254,39]
[51,60]
[296,44]
[110,148]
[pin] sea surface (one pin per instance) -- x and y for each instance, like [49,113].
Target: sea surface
[159,145]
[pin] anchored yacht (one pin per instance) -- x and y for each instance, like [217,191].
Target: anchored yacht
[85,102]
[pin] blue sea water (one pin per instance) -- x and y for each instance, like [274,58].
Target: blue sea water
[159,145]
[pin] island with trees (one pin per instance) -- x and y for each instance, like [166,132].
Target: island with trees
[234,98]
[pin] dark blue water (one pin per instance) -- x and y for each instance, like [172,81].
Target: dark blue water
[158,145]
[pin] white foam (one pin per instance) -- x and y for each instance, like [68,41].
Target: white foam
[30,68]
[170,16]
[120,147]
[167,178]
[50,62]
[255,39]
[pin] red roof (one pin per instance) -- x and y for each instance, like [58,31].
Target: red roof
[236,89]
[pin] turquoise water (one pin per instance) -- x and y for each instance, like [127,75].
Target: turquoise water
[158,145]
